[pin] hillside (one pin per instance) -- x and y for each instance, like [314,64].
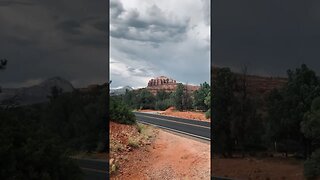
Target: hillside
[35,94]
[258,85]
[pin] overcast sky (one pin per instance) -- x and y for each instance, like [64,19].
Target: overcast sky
[268,36]
[150,38]
[42,39]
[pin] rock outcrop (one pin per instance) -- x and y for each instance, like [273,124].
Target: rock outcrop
[167,84]
[162,80]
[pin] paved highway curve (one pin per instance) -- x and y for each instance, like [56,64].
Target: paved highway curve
[199,129]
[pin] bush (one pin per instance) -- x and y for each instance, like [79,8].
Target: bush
[134,143]
[208,113]
[140,127]
[312,166]
[119,112]
[163,105]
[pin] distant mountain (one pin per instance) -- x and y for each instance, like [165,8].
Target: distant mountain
[37,93]
[120,90]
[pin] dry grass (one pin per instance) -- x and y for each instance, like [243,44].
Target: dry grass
[133,143]
[116,146]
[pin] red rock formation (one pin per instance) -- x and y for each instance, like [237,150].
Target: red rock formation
[257,84]
[167,84]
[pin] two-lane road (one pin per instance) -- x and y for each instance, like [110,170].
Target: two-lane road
[93,169]
[199,129]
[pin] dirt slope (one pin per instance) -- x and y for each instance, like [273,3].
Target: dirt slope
[169,156]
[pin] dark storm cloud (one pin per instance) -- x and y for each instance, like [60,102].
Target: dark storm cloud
[153,26]
[10,3]
[42,39]
[268,36]
[70,26]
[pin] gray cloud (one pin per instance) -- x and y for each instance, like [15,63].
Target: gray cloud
[154,38]
[116,8]
[154,26]
[54,38]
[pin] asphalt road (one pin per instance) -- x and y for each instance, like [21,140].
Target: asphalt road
[198,129]
[94,169]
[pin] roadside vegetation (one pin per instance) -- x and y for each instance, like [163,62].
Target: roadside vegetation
[286,120]
[36,141]
[181,99]
[125,133]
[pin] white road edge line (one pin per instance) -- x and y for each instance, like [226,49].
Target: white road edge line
[200,137]
[196,125]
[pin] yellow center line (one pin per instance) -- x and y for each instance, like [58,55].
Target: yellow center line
[175,121]
[94,170]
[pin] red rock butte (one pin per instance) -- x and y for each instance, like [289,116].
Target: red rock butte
[258,84]
[167,84]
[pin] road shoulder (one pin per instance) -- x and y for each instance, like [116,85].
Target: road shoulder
[169,156]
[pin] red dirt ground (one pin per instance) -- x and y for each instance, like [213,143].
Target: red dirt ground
[253,168]
[182,114]
[168,156]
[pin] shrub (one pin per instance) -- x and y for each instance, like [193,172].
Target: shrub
[208,113]
[163,104]
[140,127]
[119,112]
[312,166]
[133,143]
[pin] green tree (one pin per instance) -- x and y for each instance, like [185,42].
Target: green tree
[119,112]
[163,100]
[130,98]
[223,100]
[162,95]
[246,125]
[178,97]
[312,166]
[293,101]
[310,126]
[207,101]
[200,96]
[146,99]
[275,129]
[186,98]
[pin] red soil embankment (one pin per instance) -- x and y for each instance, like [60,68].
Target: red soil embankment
[181,114]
